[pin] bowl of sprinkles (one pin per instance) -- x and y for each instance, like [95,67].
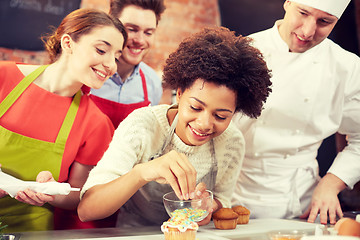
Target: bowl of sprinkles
[194,209]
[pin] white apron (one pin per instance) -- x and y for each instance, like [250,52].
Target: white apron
[286,190]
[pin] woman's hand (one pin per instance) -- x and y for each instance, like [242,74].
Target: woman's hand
[2,192]
[34,198]
[172,168]
[214,208]
[200,192]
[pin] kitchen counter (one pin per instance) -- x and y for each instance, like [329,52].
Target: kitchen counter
[256,229]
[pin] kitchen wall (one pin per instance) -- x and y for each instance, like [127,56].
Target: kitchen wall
[181,18]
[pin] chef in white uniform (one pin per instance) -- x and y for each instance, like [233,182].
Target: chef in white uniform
[316,93]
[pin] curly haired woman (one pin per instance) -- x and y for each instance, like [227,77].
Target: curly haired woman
[187,147]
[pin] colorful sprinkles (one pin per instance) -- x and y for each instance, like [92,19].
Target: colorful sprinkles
[183,219]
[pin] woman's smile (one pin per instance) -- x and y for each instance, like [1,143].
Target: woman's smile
[101,75]
[198,135]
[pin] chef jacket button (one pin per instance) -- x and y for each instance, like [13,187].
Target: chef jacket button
[287,155]
[256,154]
[306,100]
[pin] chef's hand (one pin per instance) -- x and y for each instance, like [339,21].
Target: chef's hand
[200,192]
[325,200]
[34,198]
[171,168]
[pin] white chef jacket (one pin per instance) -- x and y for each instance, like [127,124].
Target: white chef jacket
[314,95]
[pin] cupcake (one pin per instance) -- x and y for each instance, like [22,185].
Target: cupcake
[180,226]
[225,218]
[244,214]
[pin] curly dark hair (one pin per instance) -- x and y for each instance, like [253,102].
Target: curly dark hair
[218,56]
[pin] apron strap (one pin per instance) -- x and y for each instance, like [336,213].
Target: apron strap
[143,81]
[214,166]
[171,133]
[25,83]
[19,89]
[69,119]
[168,137]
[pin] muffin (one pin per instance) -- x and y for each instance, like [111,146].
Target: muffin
[225,218]
[180,226]
[244,214]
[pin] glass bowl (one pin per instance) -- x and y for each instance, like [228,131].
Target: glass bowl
[286,235]
[198,208]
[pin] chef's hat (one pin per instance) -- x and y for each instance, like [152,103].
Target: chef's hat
[333,7]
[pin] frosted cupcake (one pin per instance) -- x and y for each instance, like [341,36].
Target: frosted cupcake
[180,226]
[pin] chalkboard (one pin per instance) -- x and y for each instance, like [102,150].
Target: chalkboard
[250,16]
[22,22]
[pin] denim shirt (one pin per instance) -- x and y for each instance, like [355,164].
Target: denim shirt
[131,90]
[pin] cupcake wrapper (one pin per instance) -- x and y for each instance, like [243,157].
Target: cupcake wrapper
[177,235]
[243,219]
[225,223]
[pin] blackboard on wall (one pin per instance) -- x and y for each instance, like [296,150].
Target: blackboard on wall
[250,16]
[23,22]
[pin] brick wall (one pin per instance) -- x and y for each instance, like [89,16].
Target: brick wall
[181,18]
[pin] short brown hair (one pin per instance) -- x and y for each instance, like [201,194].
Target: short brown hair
[157,6]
